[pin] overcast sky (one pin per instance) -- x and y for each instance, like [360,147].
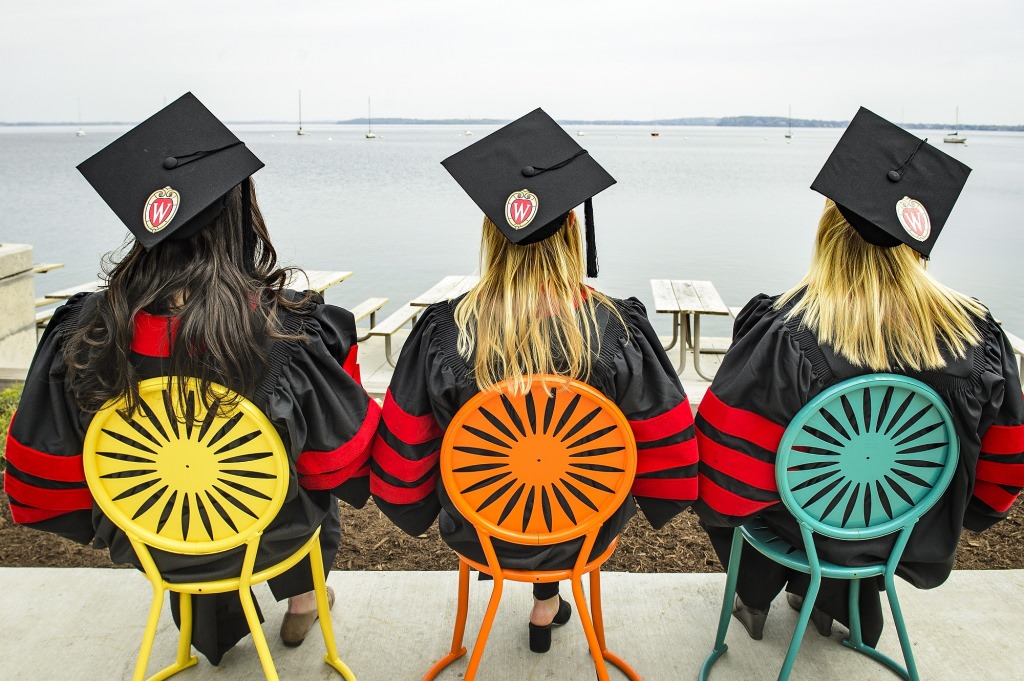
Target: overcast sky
[636,59]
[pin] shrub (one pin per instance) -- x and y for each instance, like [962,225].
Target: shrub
[8,403]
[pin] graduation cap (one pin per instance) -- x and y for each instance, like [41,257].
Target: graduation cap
[169,175]
[527,176]
[890,185]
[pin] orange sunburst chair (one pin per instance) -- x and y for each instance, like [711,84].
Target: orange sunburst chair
[539,468]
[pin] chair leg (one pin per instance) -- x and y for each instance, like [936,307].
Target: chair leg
[901,628]
[596,651]
[323,607]
[801,626]
[732,576]
[258,639]
[184,658]
[855,641]
[597,609]
[485,629]
[457,650]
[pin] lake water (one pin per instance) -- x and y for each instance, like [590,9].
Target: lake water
[730,205]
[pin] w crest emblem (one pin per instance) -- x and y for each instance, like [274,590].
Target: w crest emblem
[521,208]
[160,209]
[914,218]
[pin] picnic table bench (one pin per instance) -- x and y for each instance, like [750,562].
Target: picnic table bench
[682,298]
[449,287]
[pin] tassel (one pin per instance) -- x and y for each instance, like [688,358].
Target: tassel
[588,214]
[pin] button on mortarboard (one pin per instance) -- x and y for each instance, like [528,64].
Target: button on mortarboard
[527,176]
[890,185]
[167,176]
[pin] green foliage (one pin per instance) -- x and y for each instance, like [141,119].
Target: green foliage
[8,403]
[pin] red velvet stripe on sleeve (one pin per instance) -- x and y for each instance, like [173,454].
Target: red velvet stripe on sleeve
[410,429]
[1003,440]
[61,500]
[401,495]
[397,466]
[673,421]
[995,496]
[725,502]
[355,450]
[741,423]
[663,458]
[22,515]
[332,479]
[746,469]
[1010,474]
[42,465]
[351,365]
[677,489]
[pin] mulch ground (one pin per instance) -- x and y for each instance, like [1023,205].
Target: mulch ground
[371,542]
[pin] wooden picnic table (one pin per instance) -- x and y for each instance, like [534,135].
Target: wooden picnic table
[319,280]
[682,298]
[449,287]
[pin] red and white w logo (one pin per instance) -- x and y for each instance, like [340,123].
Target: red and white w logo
[160,209]
[520,208]
[914,218]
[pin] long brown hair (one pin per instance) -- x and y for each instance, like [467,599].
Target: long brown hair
[225,293]
[878,306]
[531,312]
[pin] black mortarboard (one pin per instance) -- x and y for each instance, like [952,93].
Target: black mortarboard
[168,176]
[527,175]
[890,185]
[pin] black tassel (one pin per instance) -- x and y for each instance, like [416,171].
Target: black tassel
[588,216]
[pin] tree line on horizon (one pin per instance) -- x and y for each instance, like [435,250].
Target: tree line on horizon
[728,121]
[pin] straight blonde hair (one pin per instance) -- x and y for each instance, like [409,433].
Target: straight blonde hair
[878,307]
[531,312]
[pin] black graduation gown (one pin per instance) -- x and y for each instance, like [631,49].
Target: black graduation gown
[432,381]
[773,368]
[310,392]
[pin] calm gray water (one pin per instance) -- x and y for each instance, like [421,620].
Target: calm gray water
[731,205]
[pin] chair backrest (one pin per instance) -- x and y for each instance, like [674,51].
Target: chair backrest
[867,457]
[542,467]
[186,478]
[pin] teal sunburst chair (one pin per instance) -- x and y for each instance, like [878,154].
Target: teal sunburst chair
[864,459]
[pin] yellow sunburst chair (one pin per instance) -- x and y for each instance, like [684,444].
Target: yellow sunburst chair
[188,479]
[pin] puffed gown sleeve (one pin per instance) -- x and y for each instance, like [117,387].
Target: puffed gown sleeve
[319,404]
[406,449]
[44,478]
[647,390]
[762,383]
[1000,469]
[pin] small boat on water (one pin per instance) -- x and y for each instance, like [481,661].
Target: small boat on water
[789,124]
[580,133]
[79,132]
[955,137]
[300,131]
[369,127]
[655,133]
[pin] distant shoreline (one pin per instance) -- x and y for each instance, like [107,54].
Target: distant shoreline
[726,122]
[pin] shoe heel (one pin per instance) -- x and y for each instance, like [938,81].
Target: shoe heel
[540,638]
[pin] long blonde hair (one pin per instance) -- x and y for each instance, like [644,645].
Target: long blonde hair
[875,306]
[531,311]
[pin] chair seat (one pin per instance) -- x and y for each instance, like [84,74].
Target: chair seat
[765,540]
[546,576]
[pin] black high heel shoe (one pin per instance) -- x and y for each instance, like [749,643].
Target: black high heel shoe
[821,620]
[540,636]
[752,619]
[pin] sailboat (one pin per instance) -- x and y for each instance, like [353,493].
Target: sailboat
[655,133]
[954,137]
[369,127]
[300,131]
[789,124]
[79,132]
